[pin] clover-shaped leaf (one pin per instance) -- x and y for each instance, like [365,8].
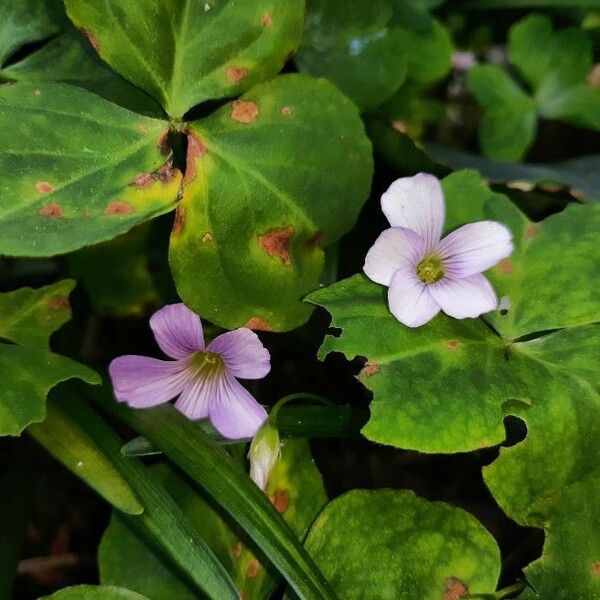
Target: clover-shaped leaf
[28,368]
[466,371]
[296,490]
[198,50]
[353,42]
[77,169]
[246,209]
[368,546]
[555,66]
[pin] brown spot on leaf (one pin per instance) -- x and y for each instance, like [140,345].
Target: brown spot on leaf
[244,111]
[243,595]
[257,324]
[315,240]
[594,76]
[92,39]
[453,345]
[236,74]
[369,370]
[44,187]
[455,589]
[51,210]
[195,148]
[532,231]
[142,180]
[118,207]
[506,266]
[207,237]
[286,111]
[57,303]
[163,143]
[266,20]
[179,220]
[253,568]
[280,500]
[595,568]
[166,172]
[399,126]
[275,243]
[237,550]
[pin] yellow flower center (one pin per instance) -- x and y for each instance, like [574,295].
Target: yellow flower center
[207,363]
[430,269]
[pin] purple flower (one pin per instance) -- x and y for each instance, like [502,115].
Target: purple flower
[425,273]
[204,379]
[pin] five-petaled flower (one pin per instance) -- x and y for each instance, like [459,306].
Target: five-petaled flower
[425,273]
[203,379]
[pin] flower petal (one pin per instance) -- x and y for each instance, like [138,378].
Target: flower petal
[475,247]
[394,248]
[142,382]
[464,298]
[233,410]
[194,401]
[178,330]
[416,203]
[409,299]
[243,353]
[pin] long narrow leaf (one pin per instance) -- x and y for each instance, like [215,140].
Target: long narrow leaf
[213,469]
[161,521]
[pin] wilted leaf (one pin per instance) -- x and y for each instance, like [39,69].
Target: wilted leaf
[271,179]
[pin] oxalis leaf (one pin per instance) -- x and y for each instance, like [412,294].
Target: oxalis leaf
[271,178]
[556,65]
[198,50]
[295,488]
[77,169]
[552,478]
[387,544]
[443,387]
[28,368]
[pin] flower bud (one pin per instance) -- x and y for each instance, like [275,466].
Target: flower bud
[264,453]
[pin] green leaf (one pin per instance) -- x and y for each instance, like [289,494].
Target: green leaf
[444,387]
[415,14]
[387,544]
[68,57]
[89,452]
[271,179]
[183,52]
[295,487]
[581,175]
[27,21]
[509,123]
[429,53]
[548,280]
[552,479]
[76,169]
[355,46]
[27,367]
[162,523]
[225,482]
[485,4]
[94,592]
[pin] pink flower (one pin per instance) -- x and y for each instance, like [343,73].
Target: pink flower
[203,379]
[425,273]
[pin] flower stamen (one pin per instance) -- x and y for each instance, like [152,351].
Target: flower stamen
[430,270]
[207,363]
